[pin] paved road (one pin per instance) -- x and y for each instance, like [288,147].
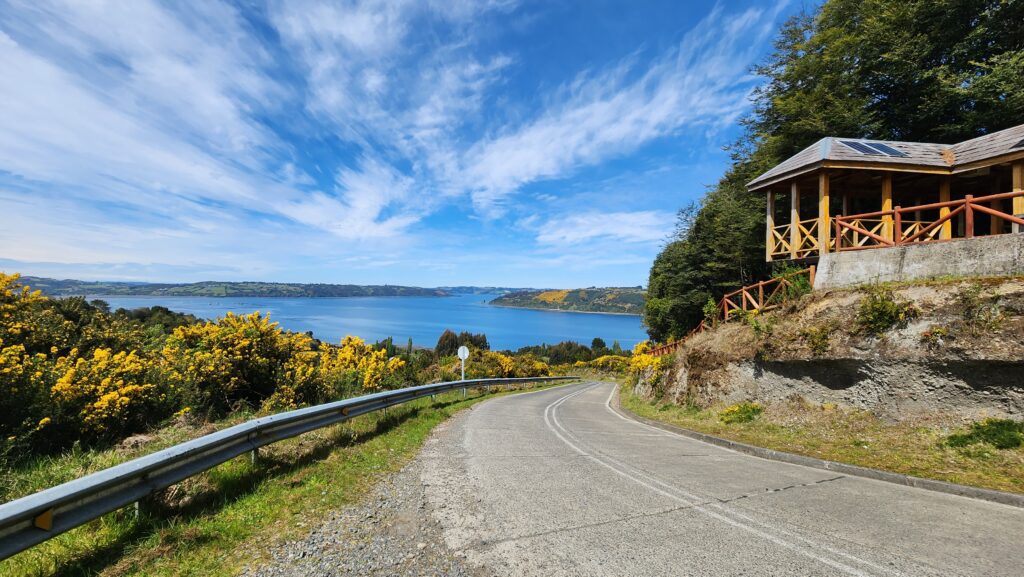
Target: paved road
[556,483]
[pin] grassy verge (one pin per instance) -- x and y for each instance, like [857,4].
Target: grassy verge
[854,437]
[219,521]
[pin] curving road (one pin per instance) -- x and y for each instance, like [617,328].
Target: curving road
[557,483]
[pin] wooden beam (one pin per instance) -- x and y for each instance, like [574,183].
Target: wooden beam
[846,203]
[887,205]
[769,232]
[794,219]
[886,166]
[824,223]
[1018,184]
[946,232]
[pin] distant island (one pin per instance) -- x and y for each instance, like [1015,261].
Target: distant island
[482,290]
[622,300]
[58,288]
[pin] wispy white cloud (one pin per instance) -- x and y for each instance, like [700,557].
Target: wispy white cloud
[358,209]
[703,81]
[625,227]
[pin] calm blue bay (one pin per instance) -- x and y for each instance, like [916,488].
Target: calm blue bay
[422,318]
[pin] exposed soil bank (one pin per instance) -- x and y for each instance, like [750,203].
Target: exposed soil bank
[961,352]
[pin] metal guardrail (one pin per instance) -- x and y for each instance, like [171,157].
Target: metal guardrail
[28,521]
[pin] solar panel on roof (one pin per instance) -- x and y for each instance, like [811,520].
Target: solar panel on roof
[885,149]
[860,147]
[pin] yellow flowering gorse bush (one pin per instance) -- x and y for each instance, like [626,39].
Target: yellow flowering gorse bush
[70,371]
[109,393]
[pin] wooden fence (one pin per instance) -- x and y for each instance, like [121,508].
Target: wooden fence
[761,296]
[872,230]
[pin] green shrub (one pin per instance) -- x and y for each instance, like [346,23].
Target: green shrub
[934,336]
[711,312]
[817,339]
[740,413]
[799,284]
[1000,433]
[879,311]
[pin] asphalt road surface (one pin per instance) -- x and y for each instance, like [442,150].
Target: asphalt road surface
[556,483]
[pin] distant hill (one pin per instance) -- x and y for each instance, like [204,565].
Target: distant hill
[628,300]
[57,288]
[482,290]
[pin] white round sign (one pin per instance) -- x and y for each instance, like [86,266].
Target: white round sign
[463,352]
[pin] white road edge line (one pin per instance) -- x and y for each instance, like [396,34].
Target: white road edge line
[551,421]
[731,511]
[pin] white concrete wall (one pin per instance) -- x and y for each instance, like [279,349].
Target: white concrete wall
[1001,255]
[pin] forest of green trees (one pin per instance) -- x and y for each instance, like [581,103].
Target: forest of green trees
[914,70]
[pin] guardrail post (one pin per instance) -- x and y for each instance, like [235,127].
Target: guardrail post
[254,455]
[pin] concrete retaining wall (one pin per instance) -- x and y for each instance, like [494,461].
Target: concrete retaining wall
[1001,255]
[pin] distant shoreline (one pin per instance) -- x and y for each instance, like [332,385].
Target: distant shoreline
[102,296]
[489,303]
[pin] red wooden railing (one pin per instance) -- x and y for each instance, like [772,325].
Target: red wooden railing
[761,296]
[854,233]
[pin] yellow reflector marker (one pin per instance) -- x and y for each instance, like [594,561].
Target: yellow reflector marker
[44,520]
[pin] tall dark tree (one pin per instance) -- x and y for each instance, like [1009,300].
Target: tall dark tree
[447,344]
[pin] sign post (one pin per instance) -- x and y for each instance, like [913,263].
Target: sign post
[463,355]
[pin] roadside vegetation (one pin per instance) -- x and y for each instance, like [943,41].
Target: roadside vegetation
[222,520]
[985,454]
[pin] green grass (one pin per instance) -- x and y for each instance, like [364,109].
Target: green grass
[1000,433]
[922,449]
[217,522]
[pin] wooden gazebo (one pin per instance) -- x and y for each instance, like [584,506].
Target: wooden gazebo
[873,194]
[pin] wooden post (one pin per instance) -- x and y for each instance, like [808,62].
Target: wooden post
[897,237]
[769,233]
[810,274]
[887,205]
[838,237]
[824,230]
[946,228]
[846,203]
[794,219]
[1018,185]
[968,217]
[995,224]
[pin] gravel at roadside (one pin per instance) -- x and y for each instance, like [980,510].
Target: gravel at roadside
[391,533]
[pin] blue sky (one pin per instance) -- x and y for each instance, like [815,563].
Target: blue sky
[426,143]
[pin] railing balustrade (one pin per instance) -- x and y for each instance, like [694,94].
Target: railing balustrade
[869,230]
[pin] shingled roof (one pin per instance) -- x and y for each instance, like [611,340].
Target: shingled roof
[887,152]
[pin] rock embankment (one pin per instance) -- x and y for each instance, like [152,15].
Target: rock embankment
[959,349]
